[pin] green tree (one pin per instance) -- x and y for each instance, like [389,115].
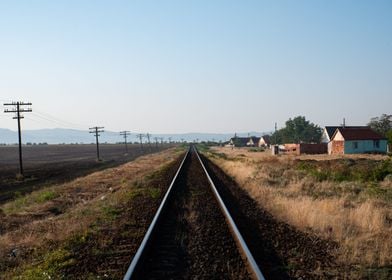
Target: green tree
[389,136]
[298,130]
[277,137]
[382,124]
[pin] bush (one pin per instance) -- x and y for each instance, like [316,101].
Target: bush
[256,150]
[348,172]
[45,196]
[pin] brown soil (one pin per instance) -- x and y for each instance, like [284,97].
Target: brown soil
[53,164]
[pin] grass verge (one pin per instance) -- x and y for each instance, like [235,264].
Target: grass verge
[39,244]
[345,199]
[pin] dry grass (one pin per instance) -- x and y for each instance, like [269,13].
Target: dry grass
[359,222]
[30,223]
[245,152]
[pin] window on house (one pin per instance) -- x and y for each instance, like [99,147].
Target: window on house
[355,145]
[376,143]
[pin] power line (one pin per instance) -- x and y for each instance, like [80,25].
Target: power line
[59,122]
[18,109]
[47,120]
[96,130]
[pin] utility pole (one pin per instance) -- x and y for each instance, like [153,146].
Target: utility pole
[276,128]
[148,140]
[141,141]
[96,130]
[18,109]
[125,134]
[156,142]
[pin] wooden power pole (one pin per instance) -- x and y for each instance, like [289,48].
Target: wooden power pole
[140,135]
[96,130]
[18,109]
[125,134]
[148,135]
[156,142]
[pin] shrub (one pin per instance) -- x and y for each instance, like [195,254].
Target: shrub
[46,196]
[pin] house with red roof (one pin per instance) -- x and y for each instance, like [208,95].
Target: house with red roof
[358,140]
[329,132]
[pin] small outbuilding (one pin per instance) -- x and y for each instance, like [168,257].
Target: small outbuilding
[357,141]
[305,148]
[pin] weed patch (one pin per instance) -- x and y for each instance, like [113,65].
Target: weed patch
[256,150]
[46,196]
[155,193]
[347,170]
[50,266]
[110,212]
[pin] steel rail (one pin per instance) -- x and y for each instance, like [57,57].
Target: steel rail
[240,240]
[135,261]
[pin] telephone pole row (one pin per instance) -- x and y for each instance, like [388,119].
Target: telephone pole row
[96,130]
[18,109]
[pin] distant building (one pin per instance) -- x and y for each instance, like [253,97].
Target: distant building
[265,141]
[238,141]
[251,141]
[358,140]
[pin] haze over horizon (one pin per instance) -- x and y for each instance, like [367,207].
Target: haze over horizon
[195,66]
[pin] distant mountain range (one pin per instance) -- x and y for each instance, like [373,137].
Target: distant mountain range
[67,136]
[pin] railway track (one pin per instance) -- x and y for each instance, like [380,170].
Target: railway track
[192,234]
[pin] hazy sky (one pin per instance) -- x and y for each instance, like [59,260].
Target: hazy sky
[195,66]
